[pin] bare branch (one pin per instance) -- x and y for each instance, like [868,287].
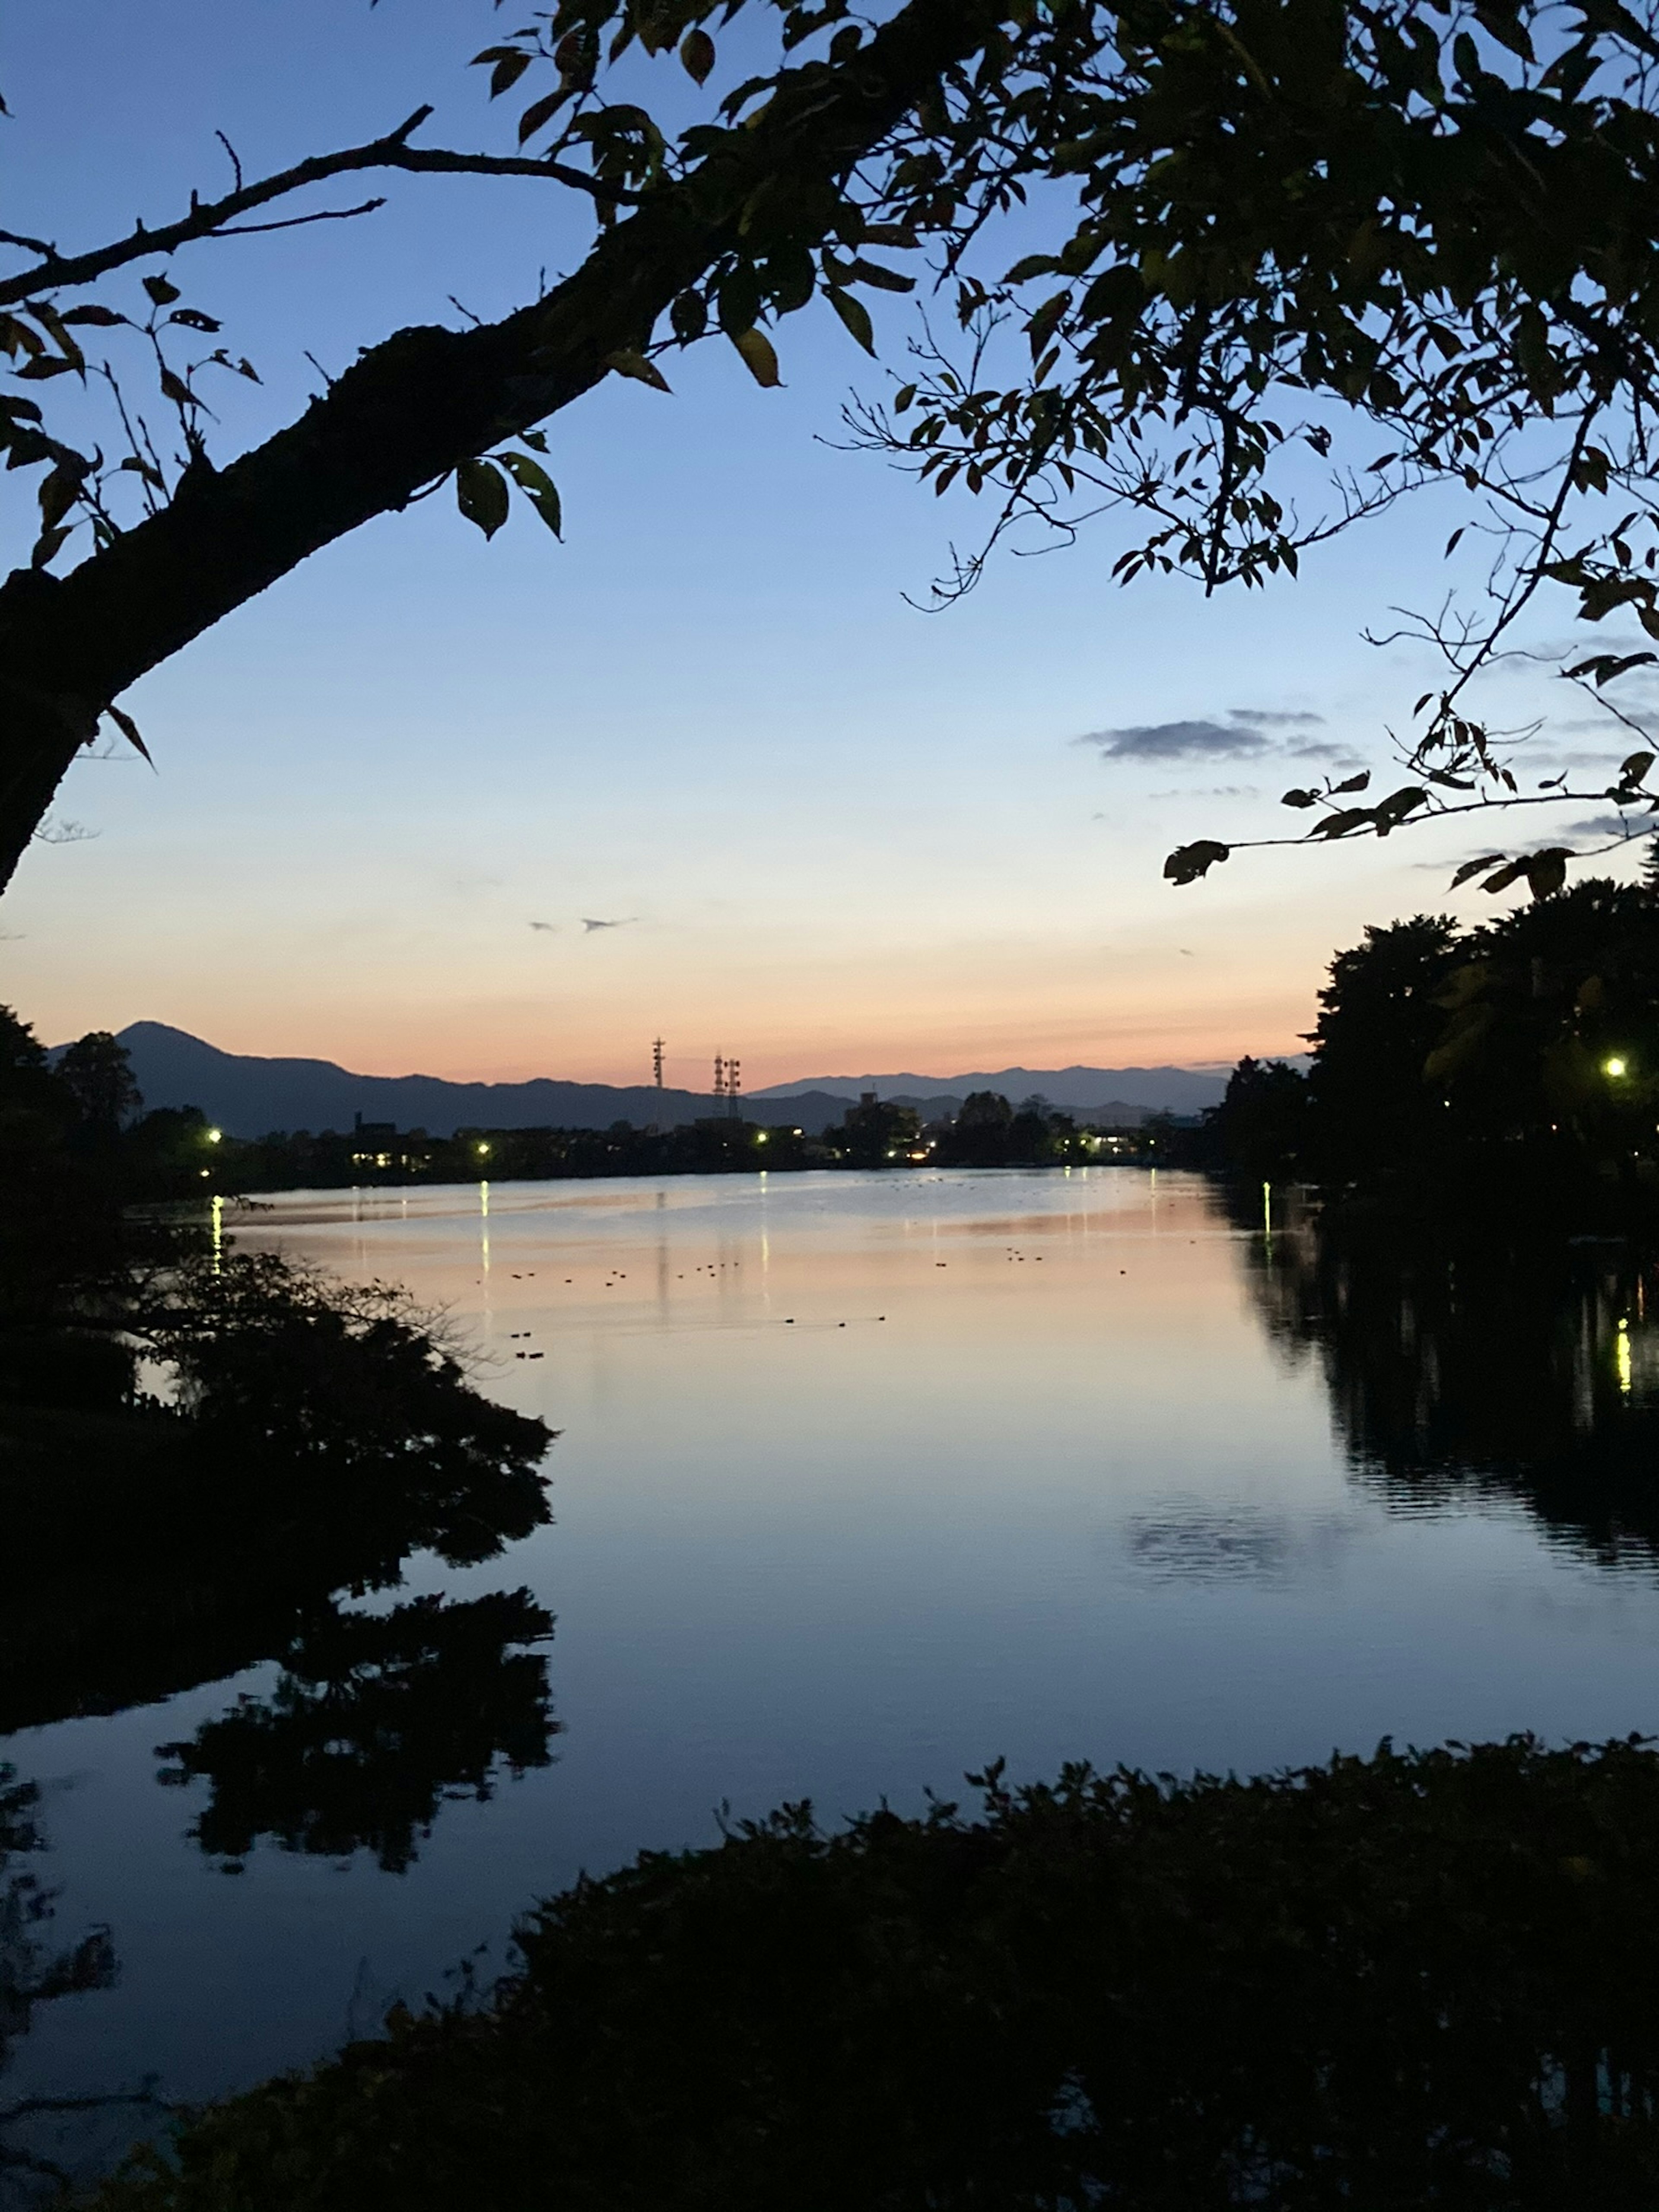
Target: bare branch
[298,222]
[56,271]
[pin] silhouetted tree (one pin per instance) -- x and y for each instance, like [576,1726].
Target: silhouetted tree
[1379,1017]
[1261,1126]
[1182,325]
[97,1072]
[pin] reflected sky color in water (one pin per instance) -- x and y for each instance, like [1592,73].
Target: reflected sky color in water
[862,1481]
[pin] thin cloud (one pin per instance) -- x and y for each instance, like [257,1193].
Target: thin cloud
[1215,791]
[1267,720]
[1175,741]
[590,924]
[1337,756]
[550,927]
[1635,827]
[1601,724]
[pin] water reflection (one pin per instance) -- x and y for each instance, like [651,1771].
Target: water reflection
[378,1719]
[1525,1376]
[34,1971]
[1194,1540]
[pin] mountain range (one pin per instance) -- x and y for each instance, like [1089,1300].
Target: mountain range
[249,1095]
[1075,1089]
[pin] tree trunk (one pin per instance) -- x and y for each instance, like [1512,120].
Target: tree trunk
[409,409]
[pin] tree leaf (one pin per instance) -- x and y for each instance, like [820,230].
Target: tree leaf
[760,357]
[1344,821]
[58,493]
[162,293]
[697,54]
[129,730]
[103,318]
[1354,782]
[1296,796]
[1633,769]
[1546,871]
[194,319]
[1189,862]
[855,315]
[1391,811]
[510,66]
[884,280]
[481,494]
[537,487]
[48,544]
[1506,876]
[687,313]
[540,111]
[627,361]
[1604,666]
[1474,867]
[1034,264]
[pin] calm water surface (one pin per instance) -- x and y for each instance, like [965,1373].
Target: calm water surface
[862,1481]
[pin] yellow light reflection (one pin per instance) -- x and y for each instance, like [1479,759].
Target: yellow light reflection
[1622,1357]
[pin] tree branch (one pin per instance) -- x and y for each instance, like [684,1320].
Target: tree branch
[409,409]
[56,271]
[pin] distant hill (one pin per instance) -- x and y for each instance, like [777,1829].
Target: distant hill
[1077,1090]
[250,1095]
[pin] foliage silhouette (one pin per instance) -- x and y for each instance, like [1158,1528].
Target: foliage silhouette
[1416,1979]
[378,1719]
[1465,1071]
[1254,235]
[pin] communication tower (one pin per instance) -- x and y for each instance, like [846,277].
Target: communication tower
[656,1062]
[733,1086]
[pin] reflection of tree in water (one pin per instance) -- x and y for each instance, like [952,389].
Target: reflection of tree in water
[377,1720]
[33,1972]
[321,1436]
[1533,1376]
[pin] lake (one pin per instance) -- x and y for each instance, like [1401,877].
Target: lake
[862,1481]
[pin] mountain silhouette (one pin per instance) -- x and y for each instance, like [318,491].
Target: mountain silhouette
[249,1095]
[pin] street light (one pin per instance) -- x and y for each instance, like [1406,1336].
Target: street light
[1614,1067]
[483,1151]
[214,1136]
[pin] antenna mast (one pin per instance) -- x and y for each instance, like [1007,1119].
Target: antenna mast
[732,1087]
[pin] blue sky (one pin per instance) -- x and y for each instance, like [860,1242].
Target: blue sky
[839,834]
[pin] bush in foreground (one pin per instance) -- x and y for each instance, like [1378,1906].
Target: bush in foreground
[1417,1979]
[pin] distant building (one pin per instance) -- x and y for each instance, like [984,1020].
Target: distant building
[377,1145]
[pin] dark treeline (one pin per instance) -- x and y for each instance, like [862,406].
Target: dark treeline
[179,1156]
[1514,1062]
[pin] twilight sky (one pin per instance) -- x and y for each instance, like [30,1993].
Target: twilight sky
[837,834]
